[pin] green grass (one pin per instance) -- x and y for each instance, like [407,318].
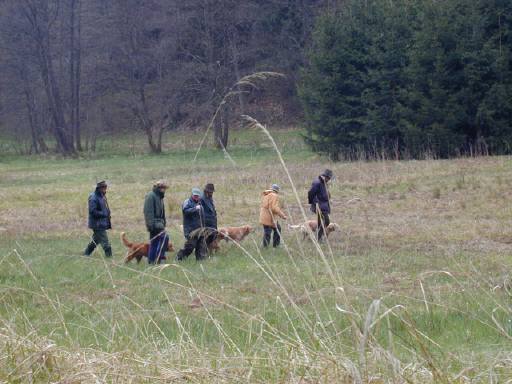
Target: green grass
[416,287]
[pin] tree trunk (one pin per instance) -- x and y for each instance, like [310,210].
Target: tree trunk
[40,23]
[74,71]
[236,55]
[55,103]
[147,123]
[37,142]
[72,117]
[160,133]
[225,127]
[217,131]
[35,145]
[221,129]
[153,147]
[78,71]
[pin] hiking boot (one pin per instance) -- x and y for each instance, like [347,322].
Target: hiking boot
[89,250]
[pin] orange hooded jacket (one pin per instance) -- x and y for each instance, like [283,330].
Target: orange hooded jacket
[269,208]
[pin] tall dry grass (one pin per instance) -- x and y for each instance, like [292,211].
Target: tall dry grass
[326,323]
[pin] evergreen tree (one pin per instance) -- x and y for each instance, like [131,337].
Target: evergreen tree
[411,77]
[332,86]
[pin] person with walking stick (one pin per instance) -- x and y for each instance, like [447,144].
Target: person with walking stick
[193,227]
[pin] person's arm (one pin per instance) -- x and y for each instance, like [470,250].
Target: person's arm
[190,208]
[276,209]
[312,193]
[149,212]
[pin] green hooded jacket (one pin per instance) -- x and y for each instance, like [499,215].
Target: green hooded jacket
[154,211]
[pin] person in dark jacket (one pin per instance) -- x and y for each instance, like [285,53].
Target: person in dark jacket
[319,198]
[210,214]
[154,216]
[99,220]
[193,227]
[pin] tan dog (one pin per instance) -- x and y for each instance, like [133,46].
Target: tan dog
[138,250]
[313,226]
[234,233]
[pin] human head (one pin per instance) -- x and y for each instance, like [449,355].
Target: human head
[209,189]
[102,186]
[275,188]
[196,194]
[327,174]
[161,185]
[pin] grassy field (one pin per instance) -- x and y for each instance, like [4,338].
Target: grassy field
[416,287]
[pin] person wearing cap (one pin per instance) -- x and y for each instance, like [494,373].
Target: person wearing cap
[99,220]
[319,198]
[154,216]
[270,211]
[210,214]
[193,227]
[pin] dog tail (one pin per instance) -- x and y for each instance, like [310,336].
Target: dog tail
[125,240]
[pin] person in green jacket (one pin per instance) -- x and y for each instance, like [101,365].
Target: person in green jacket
[154,216]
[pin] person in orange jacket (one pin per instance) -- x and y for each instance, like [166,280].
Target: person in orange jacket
[270,211]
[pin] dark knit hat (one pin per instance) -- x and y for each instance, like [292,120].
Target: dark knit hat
[209,188]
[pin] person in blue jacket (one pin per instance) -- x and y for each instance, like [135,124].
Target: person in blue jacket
[193,227]
[319,198]
[99,220]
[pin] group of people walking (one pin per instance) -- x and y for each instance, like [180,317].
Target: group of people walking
[200,218]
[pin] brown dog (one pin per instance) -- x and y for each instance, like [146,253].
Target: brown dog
[313,226]
[138,250]
[234,233]
[213,246]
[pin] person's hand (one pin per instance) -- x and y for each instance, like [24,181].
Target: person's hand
[198,207]
[285,217]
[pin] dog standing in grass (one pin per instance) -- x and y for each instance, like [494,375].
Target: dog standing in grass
[270,211]
[138,250]
[312,225]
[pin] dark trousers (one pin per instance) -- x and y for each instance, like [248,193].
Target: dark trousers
[99,237]
[196,240]
[158,244]
[323,221]
[267,231]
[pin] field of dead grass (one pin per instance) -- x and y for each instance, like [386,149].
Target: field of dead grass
[414,288]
